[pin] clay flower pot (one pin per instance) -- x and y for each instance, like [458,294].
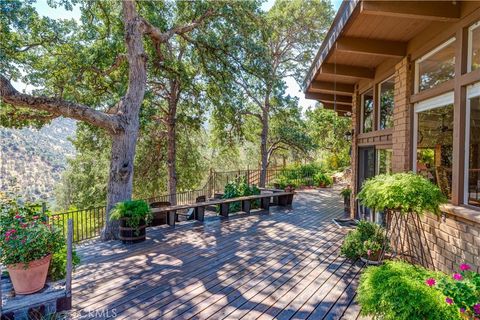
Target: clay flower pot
[30,277]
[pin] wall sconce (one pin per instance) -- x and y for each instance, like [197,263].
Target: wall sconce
[349,135]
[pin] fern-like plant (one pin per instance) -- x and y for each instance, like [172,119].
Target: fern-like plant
[133,211]
[403,192]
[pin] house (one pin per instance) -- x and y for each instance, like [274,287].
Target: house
[408,74]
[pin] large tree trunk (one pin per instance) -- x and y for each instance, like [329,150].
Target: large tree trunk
[120,180]
[124,141]
[264,149]
[171,161]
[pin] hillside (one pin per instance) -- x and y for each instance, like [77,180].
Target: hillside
[31,161]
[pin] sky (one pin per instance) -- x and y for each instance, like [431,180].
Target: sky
[293,89]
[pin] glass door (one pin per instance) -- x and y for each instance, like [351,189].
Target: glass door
[366,170]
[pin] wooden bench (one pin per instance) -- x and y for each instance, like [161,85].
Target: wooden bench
[281,198]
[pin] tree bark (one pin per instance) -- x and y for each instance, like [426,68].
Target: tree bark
[263,147]
[120,182]
[171,144]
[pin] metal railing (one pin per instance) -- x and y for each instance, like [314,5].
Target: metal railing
[88,223]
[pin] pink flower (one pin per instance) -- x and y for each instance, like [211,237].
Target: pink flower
[430,282]
[462,310]
[457,276]
[465,267]
[369,252]
[449,300]
[476,308]
[35,217]
[18,216]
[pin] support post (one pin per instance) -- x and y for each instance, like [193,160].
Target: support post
[200,213]
[246,206]
[224,207]
[265,203]
[171,218]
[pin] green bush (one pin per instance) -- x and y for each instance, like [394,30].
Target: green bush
[406,192]
[346,192]
[133,210]
[321,178]
[58,264]
[298,175]
[240,188]
[396,290]
[366,236]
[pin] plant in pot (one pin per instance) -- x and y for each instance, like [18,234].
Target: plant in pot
[322,180]
[27,243]
[367,241]
[346,193]
[404,197]
[134,215]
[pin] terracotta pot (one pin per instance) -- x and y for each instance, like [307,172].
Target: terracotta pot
[30,279]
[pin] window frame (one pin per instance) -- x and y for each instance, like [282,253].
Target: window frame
[426,56]
[362,111]
[379,92]
[470,44]
[473,91]
[425,105]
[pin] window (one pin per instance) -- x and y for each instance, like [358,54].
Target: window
[434,140]
[367,111]
[474,47]
[472,138]
[384,161]
[435,67]
[386,101]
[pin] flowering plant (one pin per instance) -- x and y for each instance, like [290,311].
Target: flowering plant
[25,234]
[461,290]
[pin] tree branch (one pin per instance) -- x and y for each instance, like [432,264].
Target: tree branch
[57,107]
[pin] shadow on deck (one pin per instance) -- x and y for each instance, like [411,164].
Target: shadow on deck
[281,265]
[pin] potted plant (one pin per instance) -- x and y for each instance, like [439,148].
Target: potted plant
[322,180]
[346,193]
[368,241]
[27,243]
[134,215]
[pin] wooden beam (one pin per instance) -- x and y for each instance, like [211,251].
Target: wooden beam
[340,108]
[347,71]
[425,10]
[330,87]
[395,49]
[325,97]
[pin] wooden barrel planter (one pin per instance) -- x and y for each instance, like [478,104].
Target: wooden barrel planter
[130,235]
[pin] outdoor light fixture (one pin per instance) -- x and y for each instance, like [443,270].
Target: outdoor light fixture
[349,135]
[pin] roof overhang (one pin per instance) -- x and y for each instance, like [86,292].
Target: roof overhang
[363,35]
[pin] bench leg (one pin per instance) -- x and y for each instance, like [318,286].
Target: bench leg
[246,206]
[265,203]
[171,217]
[275,200]
[283,201]
[199,213]
[224,207]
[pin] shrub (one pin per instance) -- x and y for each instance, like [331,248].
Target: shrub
[133,210]
[367,238]
[462,290]
[240,188]
[405,192]
[396,291]
[58,264]
[298,175]
[321,179]
[25,234]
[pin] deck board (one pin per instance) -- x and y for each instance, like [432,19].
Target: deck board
[279,265]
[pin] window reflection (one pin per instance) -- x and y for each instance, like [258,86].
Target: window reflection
[386,103]
[367,111]
[474,153]
[434,146]
[437,67]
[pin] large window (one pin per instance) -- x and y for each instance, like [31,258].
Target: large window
[434,140]
[472,181]
[367,111]
[435,67]
[474,47]
[386,101]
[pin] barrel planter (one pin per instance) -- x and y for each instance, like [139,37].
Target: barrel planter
[130,235]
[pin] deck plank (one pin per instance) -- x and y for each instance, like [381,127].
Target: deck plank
[253,266]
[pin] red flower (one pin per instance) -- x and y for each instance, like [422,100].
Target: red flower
[457,276]
[35,217]
[465,267]
[18,216]
[449,300]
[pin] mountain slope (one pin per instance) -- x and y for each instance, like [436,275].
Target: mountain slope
[31,161]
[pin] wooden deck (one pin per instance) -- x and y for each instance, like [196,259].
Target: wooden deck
[281,265]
